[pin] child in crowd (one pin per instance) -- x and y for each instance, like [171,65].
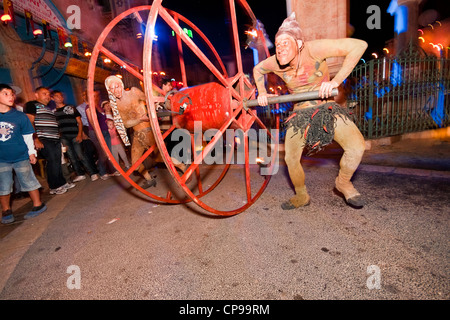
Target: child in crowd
[17,153]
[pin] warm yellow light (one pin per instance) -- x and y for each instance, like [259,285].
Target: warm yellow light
[68,44]
[162,73]
[252,33]
[423,40]
[375,55]
[119,76]
[37,32]
[386,49]
[106,60]
[6,18]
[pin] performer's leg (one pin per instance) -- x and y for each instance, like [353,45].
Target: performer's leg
[293,153]
[156,155]
[351,140]
[137,150]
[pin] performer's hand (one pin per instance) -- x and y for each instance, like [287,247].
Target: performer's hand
[262,99]
[33,159]
[326,88]
[79,138]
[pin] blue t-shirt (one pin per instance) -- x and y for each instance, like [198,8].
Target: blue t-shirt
[14,124]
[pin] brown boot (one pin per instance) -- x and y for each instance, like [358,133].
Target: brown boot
[301,199]
[351,195]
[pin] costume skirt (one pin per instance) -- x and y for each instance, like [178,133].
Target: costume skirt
[317,124]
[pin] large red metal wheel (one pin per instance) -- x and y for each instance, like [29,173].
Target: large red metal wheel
[235,90]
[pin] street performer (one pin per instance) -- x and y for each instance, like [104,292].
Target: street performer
[130,111]
[314,124]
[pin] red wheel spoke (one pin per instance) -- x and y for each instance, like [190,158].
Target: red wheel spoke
[172,23]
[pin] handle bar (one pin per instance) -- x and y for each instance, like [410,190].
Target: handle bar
[303,96]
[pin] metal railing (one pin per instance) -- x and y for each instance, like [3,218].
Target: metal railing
[400,95]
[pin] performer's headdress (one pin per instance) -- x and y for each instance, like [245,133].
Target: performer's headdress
[118,122]
[291,27]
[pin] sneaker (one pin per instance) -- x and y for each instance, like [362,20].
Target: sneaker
[105,177]
[69,185]
[78,178]
[59,190]
[115,174]
[95,177]
[7,217]
[36,211]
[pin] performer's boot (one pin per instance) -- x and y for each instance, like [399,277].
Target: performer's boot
[149,181]
[351,195]
[301,199]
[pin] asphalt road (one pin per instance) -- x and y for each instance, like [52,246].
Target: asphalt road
[104,240]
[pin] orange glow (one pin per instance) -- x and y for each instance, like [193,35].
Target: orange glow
[252,32]
[6,18]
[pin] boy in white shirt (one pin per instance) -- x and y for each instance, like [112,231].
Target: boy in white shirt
[17,153]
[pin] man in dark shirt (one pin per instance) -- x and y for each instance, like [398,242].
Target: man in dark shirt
[71,131]
[47,139]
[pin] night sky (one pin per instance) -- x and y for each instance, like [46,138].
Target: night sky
[212,19]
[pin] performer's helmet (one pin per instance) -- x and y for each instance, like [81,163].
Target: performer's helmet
[291,27]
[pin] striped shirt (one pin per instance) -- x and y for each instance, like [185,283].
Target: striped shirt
[44,121]
[67,121]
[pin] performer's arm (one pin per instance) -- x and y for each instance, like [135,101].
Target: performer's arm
[351,49]
[261,69]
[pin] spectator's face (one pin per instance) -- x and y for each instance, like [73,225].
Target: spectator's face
[110,124]
[97,98]
[7,97]
[43,96]
[58,97]
[167,87]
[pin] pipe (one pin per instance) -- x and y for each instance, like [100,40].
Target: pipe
[303,96]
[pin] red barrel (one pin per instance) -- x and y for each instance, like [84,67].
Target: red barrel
[209,103]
